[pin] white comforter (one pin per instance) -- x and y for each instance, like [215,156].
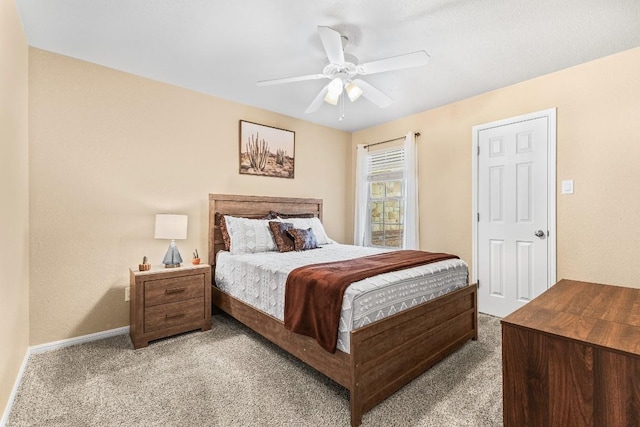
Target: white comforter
[259,280]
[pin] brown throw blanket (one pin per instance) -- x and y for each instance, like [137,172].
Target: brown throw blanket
[313,293]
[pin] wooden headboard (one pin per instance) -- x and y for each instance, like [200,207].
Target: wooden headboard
[252,207]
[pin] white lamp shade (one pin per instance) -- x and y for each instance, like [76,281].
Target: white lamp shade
[169,226]
[335,87]
[334,90]
[331,98]
[353,91]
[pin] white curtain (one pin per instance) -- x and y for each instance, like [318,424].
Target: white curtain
[360,220]
[411,239]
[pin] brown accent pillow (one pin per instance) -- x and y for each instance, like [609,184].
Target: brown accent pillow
[219,220]
[303,240]
[293,215]
[284,242]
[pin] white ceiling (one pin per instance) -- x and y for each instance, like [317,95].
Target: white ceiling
[223,47]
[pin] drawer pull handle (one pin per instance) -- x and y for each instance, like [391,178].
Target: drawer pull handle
[174,291]
[173,316]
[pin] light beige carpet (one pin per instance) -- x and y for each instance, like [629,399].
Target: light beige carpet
[230,376]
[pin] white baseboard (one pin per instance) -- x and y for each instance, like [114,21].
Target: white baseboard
[56,345]
[14,391]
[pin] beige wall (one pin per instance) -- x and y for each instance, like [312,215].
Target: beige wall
[14,209]
[598,146]
[109,150]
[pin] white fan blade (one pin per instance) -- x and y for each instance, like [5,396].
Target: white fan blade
[373,94]
[291,79]
[415,59]
[317,101]
[332,43]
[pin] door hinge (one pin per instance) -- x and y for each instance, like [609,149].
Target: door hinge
[478,216]
[478,284]
[478,150]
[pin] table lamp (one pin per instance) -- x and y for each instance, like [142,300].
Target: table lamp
[169,226]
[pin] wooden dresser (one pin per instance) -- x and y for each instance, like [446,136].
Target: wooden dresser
[168,301]
[571,357]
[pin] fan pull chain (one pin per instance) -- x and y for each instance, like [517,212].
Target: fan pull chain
[341,107]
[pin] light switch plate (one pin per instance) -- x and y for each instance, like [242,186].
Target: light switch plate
[567,186]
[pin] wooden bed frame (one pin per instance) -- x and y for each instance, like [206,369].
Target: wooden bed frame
[384,355]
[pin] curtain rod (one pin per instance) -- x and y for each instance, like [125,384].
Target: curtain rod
[388,140]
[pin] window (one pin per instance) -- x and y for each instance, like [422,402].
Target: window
[385,199]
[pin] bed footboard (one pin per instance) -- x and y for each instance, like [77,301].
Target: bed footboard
[387,355]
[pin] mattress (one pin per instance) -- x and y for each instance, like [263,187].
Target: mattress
[259,280]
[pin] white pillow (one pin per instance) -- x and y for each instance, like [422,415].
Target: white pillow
[249,235]
[313,223]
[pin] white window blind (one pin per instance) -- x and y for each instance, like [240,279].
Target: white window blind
[384,165]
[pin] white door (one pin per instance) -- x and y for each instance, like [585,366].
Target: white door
[513,212]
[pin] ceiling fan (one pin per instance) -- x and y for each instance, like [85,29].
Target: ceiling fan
[342,70]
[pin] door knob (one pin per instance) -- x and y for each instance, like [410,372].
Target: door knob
[539,233]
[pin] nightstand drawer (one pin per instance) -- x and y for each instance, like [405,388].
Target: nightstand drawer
[173,314]
[163,291]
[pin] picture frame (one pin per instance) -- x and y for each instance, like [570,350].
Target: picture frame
[266,150]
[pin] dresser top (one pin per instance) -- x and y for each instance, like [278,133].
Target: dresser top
[602,315]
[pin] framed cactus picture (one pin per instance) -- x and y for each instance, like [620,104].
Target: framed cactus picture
[266,150]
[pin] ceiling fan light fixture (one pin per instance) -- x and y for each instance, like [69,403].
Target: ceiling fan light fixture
[353,91]
[334,90]
[331,98]
[335,87]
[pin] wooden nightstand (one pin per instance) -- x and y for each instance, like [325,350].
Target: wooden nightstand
[168,301]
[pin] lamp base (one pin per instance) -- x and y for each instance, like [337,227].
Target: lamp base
[172,258]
